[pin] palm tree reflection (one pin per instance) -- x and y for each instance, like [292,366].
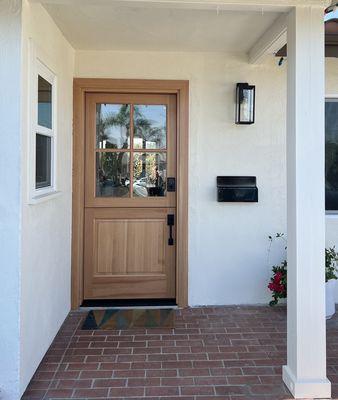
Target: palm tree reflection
[113,169]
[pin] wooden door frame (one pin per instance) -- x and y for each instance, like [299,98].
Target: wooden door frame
[90,85]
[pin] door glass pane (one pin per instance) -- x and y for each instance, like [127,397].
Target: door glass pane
[43,161]
[331,154]
[44,103]
[112,174]
[150,174]
[150,127]
[112,126]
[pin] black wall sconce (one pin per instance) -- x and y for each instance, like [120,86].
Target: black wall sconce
[245,104]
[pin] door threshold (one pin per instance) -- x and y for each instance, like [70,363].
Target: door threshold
[131,303]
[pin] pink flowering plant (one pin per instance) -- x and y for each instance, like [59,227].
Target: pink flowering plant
[278,281]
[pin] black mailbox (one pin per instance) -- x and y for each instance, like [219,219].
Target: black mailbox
[237,189]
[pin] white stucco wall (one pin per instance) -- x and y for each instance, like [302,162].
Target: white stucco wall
[227,242]
[10,212]
[46,226]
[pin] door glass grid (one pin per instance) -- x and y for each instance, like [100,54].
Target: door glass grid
[131,150]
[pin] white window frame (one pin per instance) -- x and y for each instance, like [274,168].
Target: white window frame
[39,68]
[333,213]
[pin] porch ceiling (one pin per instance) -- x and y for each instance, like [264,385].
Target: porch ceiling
[130,27]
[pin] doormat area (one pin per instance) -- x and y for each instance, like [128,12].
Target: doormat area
[125,319]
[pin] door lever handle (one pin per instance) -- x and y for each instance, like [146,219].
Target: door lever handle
[171,223]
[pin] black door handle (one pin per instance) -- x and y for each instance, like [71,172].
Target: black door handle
[171,223]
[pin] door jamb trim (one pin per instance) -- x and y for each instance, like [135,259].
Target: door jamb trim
[87,85]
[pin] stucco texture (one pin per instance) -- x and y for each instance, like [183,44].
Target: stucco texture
[228,243]
[229,261]
[46,226]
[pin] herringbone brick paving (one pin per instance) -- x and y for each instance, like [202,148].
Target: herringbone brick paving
[224,353]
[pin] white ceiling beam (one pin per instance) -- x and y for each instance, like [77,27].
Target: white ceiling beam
[270,42]
[232,5]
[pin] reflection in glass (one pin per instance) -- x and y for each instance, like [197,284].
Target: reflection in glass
[150,126]
[246,106]
[44,103]
[331,154]
[112,174]
[43,154]
[150,174]
[112,126]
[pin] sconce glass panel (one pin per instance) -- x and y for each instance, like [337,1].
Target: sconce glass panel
[245,104]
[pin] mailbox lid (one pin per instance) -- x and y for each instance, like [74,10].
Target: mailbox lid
[236,181]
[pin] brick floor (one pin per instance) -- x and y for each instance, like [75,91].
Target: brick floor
[225,353]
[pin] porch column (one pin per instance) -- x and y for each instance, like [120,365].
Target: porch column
[305,372]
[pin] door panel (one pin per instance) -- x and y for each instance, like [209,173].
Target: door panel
[130,153]
[127,254]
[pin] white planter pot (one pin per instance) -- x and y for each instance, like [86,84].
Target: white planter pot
[330,287]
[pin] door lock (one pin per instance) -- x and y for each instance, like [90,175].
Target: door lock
[171,184]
